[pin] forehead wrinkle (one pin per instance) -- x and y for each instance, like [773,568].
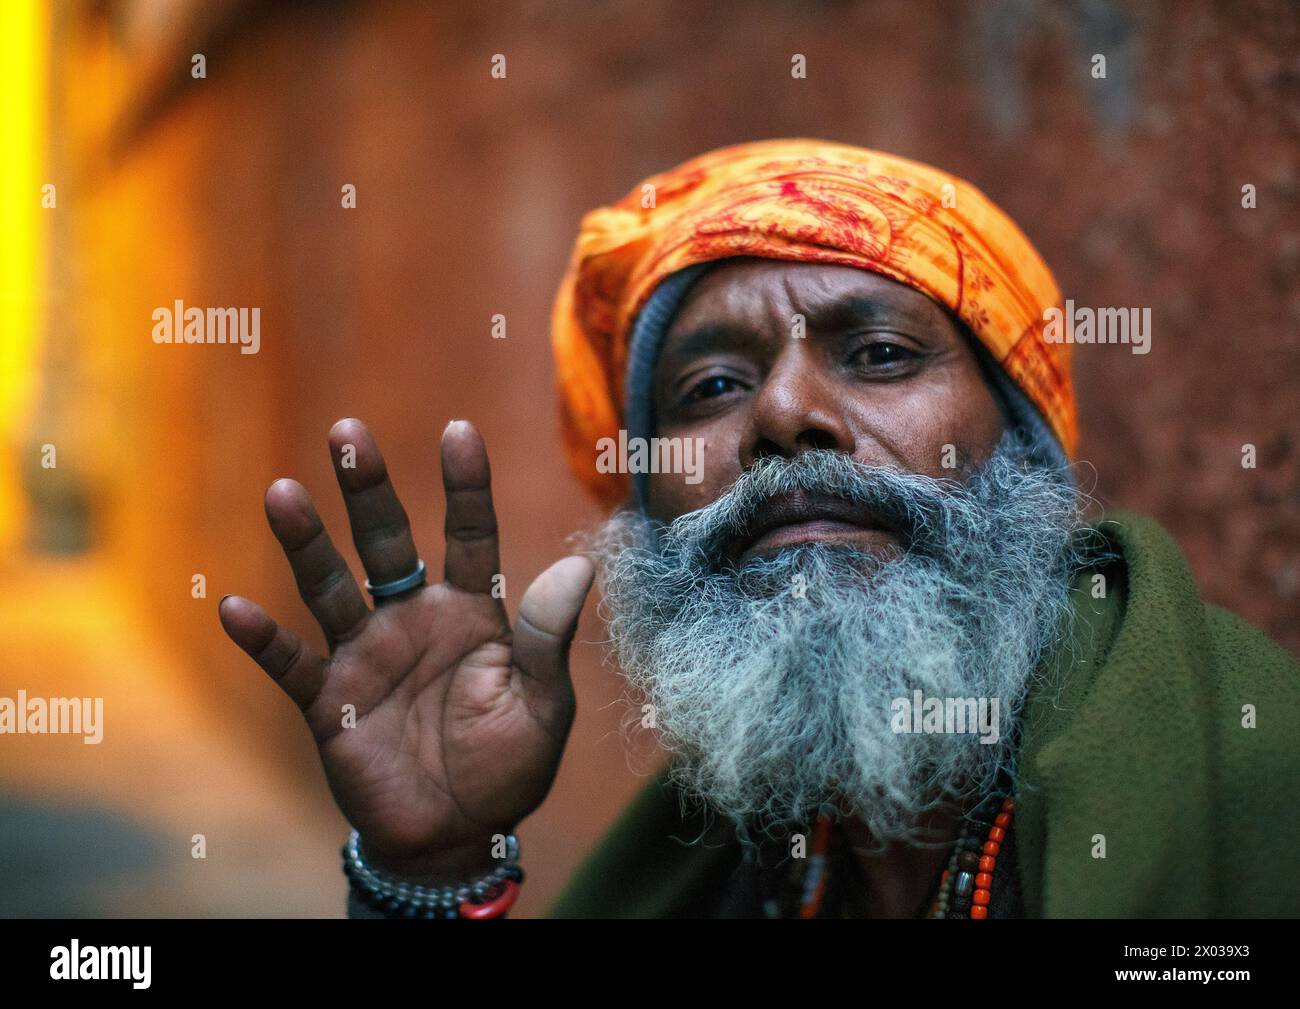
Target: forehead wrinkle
[870,298]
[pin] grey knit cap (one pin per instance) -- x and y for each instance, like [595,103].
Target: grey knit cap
[651,326]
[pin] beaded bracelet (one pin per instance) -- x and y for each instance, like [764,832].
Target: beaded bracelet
[487,896]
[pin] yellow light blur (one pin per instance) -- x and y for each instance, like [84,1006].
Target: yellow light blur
[24,54]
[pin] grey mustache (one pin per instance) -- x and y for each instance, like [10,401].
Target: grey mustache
[910,504]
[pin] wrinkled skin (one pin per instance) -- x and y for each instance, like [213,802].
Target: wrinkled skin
[882,373]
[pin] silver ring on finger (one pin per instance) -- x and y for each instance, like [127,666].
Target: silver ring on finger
[385,590]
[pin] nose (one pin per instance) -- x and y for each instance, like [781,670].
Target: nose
[797,408]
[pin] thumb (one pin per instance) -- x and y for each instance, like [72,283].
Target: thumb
[548,619]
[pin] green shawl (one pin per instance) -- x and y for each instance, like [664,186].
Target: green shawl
[1136,732]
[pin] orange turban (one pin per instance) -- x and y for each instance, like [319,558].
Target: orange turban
[811,201]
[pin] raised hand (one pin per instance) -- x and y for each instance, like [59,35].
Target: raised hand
[460,719]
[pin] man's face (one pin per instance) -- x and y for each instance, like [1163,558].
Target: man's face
[881,373]
[835,558]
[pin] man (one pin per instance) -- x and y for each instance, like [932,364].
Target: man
[899,676]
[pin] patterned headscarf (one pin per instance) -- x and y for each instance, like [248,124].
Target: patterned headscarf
[808,201]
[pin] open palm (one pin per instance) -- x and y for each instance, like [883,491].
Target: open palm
[438,723]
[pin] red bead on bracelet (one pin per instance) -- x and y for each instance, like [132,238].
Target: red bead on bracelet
[494,908]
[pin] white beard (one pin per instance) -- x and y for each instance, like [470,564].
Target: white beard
[780,703]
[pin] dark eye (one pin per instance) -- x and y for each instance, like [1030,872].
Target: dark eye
[881,354]
[710,388]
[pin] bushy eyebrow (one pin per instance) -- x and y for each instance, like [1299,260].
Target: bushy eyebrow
[708,339]
[842,313]
[858,310]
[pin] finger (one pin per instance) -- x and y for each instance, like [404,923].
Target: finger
[380,528]
[471,527]
[548,619]
[324,581]
[283,656]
